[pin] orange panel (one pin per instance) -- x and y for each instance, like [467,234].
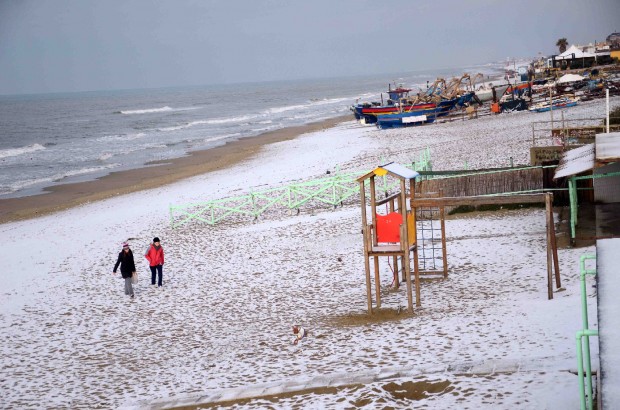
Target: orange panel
[388,227]
[411,228]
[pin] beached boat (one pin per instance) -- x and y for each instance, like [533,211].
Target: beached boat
[562,102]
[407,118]
[445,106]
[519,89]
[398,102]
[465,98]
[485,93]
[369,113]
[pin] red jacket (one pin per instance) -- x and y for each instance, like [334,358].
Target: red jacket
[154,256]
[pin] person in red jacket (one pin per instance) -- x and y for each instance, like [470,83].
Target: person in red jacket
[155,255]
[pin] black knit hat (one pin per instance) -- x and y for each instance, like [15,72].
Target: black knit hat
[156,239]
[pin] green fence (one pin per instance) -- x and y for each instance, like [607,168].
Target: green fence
[332,190]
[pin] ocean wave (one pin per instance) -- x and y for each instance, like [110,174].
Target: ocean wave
[154,110]
[121,137]
[83,171]
[14,152]
[145,111]
[17,186]
[299,107]
[278,110]
[221,137]
[326,101]
[184,126]
[208,122]
[231,119]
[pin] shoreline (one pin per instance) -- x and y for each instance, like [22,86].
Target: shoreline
[153,174]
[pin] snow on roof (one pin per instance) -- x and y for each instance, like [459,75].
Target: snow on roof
[400,170]
[568,54]
[608,147]
[569,78]
[396,170]
[576,161]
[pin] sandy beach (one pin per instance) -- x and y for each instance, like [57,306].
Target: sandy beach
[219,331]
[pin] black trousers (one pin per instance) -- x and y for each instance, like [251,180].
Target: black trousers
[157,269]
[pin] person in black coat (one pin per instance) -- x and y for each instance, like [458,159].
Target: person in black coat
[128,267]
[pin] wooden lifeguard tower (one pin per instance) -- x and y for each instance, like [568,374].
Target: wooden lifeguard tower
[391,235]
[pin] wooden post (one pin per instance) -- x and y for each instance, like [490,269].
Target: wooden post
[549,210]
[377,281]
[404,240]
[396,280]
[373,207]
[367,269]
[416,270]
[554,248]
[363,201]
[366,240]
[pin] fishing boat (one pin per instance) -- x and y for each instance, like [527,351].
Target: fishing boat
[445,106]
[485,92]
[562,102]
[519,89]
[397,102]
[370,113]
[465,98]
[407,118]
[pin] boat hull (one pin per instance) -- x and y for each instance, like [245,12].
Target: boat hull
[555,106]
[406,119]
[445,106]
[485,95]
[370,114]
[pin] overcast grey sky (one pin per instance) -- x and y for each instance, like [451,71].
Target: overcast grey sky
[80,45]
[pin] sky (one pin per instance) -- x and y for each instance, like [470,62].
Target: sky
[84,45]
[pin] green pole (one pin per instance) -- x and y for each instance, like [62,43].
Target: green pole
[572,195]
[582,399]
[585,332]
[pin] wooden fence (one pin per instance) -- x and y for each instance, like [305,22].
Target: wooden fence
[501,181]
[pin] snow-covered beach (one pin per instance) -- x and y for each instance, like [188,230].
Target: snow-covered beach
[487,337]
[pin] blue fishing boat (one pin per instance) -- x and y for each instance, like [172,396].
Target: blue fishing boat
[398,101]
[562,102]
[465,99]
[407,118]
[445,106]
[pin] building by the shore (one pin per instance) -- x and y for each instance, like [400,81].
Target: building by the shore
[587,55]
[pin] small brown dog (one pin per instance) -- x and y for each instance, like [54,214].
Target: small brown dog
[299,333]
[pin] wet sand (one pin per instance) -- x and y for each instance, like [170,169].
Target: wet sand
[65,196]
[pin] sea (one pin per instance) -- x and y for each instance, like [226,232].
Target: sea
[60,138]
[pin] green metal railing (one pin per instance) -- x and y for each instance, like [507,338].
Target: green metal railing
[584,352]
[572,194]
[332,190]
